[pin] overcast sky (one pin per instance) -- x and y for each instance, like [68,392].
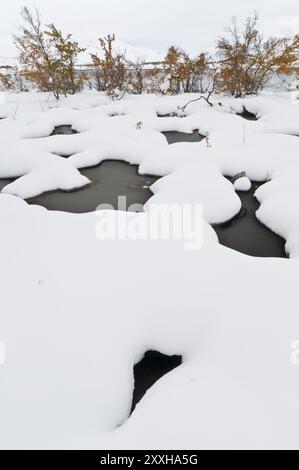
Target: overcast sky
[191,24]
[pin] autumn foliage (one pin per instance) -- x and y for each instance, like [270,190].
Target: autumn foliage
[6,80]
[243,65]
[110,68]
[183,73]
[48,58]
[247,61]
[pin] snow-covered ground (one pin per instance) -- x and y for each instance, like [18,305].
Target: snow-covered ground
[77,312]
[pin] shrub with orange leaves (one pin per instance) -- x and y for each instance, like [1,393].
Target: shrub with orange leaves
[48,58]
[185,74]
[247,60]
[110,68]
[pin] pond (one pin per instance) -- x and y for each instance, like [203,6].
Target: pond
[113,178]
[63,130]
[246,234]
[109,180]
[174,137]
[247,115]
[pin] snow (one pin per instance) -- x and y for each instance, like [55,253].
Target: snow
[242,184]
[78,312]
[132,53]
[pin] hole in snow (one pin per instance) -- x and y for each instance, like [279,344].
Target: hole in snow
[246,234]
[167,115]
[149,370]
[247,115]
[116,114]
[64,130]
[110,179]
[174,137]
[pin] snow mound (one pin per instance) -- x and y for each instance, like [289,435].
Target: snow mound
[242,184]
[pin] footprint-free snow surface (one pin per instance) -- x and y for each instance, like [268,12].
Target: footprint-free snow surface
[79,308]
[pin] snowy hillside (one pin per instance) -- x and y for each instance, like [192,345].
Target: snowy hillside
[132,53]
[8,54]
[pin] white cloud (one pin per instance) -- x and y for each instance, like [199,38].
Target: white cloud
[192,24]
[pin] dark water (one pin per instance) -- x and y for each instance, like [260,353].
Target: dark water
[5,181]
[149,370]
[244,233]
[167,115]
[110,179]
[64,130]
[247,115]
[174,137]
[114,178]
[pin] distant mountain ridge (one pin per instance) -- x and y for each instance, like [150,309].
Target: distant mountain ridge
[132,53]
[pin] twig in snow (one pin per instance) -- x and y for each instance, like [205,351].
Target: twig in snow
[202,97]
[207,140]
